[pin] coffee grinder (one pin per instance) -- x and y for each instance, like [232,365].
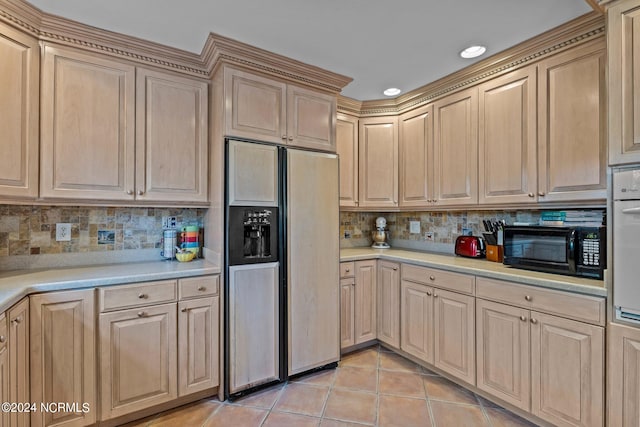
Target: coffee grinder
[380,234]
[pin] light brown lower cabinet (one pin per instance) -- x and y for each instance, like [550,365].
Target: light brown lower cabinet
[19,360]
[4,370]
[565,360]
[138,359]
[347,308]
[388,297]
[63,357]
[365,301]
[623,385]
[437,326]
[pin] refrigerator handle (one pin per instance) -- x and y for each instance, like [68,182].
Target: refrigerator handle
[631,211]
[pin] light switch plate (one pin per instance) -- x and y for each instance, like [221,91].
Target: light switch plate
[414,227]
[63,232]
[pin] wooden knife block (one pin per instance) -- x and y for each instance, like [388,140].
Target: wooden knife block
[495,253]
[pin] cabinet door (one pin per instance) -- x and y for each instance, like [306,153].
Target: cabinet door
[138,363]
[63,358]
[455,153]
[19,360]
[623,21]
[416,157]
[311,119]
[365,301]
[171,138]
[347,150]
[454,334]
[253,325]
[347,308]
[198,345]
[567,371]
[255,107]
[88,127]
[416,324]
[4,370]
[378,158]
[502,342]
[623,388]
[19,111]
[572,124]
[389,303]
[507,141]
[253,174]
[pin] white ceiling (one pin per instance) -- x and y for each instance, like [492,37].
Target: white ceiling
[401,43]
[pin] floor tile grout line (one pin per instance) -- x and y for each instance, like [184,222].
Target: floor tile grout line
[221,404]
[429,408]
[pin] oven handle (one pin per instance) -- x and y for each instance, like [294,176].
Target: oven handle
[631,210]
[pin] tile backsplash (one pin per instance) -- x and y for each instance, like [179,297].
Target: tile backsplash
[445,226]
[31,230]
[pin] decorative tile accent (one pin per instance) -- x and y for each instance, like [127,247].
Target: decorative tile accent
[31,230]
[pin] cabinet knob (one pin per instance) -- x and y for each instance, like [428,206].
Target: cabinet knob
[346,270]
[541,194]
[534,321]
[532,195]
[183,309]
[140,192]
[428,293]
[395,268]
[202,289]
[284,137]
[143,296]
[528,297]
[142,314]
[290,138]
[435,295]
[17,320]
[432,277]
[2,338]
[129,192]
[524,319]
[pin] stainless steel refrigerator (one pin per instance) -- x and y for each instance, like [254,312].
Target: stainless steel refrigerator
[282,264]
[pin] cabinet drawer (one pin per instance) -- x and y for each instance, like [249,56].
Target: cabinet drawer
[118,297]
[347,269]
[579,307]
[440,278]
[193,287]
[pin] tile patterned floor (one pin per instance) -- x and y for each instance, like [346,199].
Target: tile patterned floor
[372,387]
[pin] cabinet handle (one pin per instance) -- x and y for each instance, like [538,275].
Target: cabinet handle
[541,194]
[142,314]
[528,297]
[202,289]
[129,192]
[184,309]
[290,138]
[532,195]
[534,321]
[524,319]
[143,296]
[432,277]
[2,338]
[140,192]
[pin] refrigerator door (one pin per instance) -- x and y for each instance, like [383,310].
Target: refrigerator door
[313,255]
[253,326]
[252,176]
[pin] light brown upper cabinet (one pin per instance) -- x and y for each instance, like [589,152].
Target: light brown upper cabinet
[171,138]
[572,125]
[507,138]
[272,111]
[19,111]
[347,150]
[378,162]
[623,21]
[109,136]
[416,157]
[456,149]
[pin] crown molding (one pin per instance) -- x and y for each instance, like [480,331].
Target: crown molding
[217,49]
[588,27]
[596,5]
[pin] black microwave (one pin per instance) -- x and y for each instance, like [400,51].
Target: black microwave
[574,251]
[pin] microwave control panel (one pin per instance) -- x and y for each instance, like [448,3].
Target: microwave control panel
[591,252]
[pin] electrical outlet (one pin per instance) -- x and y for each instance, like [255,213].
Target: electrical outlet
[63,232]
[428,236]
[347,234]
[414,227]
[169,222]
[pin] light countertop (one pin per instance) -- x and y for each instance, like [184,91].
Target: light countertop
[14,285]
[480,268]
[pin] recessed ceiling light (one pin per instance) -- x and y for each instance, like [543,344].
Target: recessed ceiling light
[473,51]
[392,91]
